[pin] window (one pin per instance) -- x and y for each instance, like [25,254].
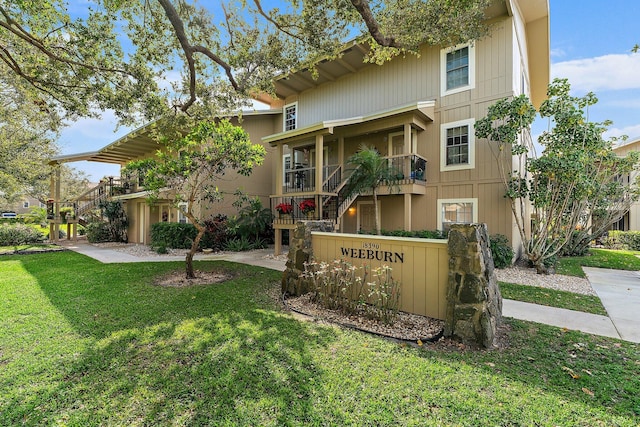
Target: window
[182,217]
[290,116]
[286,170]
[457,69]
[458,145]
[25,205]
[456,211]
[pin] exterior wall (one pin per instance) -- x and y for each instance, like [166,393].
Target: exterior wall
[422,267]
[409,79]
[633,222]
[413,79]
[261,182]
[19,208]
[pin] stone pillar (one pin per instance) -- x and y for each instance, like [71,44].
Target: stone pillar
[301,251]
[474,303]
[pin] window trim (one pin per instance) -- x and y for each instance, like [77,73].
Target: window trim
[471,67]
[471,164]
[284,116]
[442,202]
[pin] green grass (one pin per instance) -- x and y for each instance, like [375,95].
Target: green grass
[552,298]
[602,258]
[84,343]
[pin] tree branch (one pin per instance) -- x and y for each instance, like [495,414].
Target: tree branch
[362,6]
[188,49]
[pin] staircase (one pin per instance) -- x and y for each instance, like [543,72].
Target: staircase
[92,199]
[338,201]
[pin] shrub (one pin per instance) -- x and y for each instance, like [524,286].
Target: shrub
[617,239]
[19,234]
[174,235]
[577,245]
[217,233]
[98,232]
[239,244]
[117,221]
[501,250]
[254,221]
[418,234]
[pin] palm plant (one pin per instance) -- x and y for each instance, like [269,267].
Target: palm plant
[370,171]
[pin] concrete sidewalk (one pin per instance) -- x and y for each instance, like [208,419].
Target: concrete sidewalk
[618,290]
[560,317]
[260,257]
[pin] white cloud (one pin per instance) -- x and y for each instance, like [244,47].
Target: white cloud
[557,53]
[608,72]
[90,134]
[633,132]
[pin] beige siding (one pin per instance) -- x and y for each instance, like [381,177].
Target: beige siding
[262,181]
[406,80]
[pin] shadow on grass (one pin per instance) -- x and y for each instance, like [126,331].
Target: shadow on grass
[598,372]
[213,354]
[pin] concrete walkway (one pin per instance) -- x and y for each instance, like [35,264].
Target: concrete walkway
[618,290]
[260,258]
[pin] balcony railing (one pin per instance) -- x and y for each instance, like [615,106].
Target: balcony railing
[288,210]
[408,168]
[303,179]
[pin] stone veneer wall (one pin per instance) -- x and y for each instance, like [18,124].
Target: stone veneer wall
[474,302]
[300,251]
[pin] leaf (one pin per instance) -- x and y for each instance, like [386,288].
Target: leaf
[587,391]
[570,371]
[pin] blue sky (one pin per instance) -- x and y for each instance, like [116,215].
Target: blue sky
[591,43]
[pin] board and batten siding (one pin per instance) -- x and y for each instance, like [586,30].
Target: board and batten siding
[409,79]
[423,272]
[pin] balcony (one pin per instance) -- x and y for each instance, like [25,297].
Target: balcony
[409,177]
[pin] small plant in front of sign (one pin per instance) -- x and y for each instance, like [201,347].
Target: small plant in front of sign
[339,286]
[383,295]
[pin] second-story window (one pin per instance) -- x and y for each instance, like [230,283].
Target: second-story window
[458,145]
[290,116]
[457,69]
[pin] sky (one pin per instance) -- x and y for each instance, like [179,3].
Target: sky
[591,42]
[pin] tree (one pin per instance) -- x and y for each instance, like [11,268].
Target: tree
[371,171]
[574,181]
[113,55]
[151,59]
[186,170]
[72,183]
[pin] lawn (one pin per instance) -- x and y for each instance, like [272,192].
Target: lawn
[601,258]
[84,343]
[552,298]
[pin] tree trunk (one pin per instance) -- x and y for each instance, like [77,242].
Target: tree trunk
[377,214]
[192,252]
